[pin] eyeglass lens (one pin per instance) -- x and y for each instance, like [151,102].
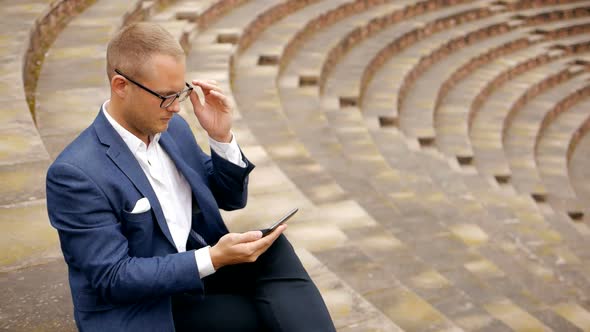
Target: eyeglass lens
[181,97]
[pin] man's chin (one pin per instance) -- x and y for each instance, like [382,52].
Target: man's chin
[162,127]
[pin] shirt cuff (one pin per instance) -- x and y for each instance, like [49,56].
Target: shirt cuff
[204,263]
[228,151]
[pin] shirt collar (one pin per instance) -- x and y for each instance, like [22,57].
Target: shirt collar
[132,141]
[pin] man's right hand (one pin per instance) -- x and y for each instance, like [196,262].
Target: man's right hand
[236,248]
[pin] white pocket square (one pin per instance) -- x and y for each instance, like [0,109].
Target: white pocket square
[142,205]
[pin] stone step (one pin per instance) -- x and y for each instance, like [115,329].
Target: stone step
[23,157]
[578,163]
[488,119]
[217,68]
[37,298]
[313,229]
[264,85]
[257,109]
[454,229]
[72,82]
[350,129]
[498,253]
[345,77]
[552,141]
[328,27]
[383,107]
[520,132]
[421,231]
[27,236]
[486,34]
[350,311]
[468,85]
[271,193]
[324,236]
[65,100]
[79,66]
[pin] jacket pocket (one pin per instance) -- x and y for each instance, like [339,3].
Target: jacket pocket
[137,217]
[139,230]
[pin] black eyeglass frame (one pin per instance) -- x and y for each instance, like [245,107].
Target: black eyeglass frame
[175,95]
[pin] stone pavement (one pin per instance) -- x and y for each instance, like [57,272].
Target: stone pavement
[428,144]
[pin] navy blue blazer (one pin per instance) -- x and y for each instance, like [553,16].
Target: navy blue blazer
[123,267]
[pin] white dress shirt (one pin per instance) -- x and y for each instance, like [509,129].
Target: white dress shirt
[171,187]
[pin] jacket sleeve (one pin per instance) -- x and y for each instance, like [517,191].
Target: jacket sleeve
[92,241]
[228,182]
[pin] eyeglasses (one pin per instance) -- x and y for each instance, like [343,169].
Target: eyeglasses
[166,100]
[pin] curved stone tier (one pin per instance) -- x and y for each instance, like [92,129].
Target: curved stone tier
[555,141]
[577,162]
[472,84]
[26,233]
[336,137]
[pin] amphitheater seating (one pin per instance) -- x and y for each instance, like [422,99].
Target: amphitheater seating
[520,130]
[377,61]
[437,150]
[471,84]
[419,121]
[23,157]
[302,120]
[457,115]
[554,133]
[264,198]
[265,83]
[576,158]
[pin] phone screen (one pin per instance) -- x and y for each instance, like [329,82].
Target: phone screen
[281,221]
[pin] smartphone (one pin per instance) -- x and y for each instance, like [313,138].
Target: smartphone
[281,221]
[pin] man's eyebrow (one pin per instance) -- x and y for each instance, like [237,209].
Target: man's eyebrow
[170,92]
[167,93]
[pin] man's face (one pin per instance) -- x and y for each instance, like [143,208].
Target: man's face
[165,75]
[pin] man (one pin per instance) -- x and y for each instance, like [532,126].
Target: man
[136,205]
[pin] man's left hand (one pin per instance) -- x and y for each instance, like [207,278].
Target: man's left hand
[215,114]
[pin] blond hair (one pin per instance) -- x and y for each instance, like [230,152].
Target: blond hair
[134,45]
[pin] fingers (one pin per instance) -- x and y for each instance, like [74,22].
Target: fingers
[262,245]
[195,100]
[248,236]
[207,86]
[234,248]
[210,88]
[221,98]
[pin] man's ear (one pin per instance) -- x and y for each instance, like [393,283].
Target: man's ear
[119,86]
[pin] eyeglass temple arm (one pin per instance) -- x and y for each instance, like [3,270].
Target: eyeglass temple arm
[143,87]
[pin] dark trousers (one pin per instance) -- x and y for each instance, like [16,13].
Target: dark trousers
[275,293]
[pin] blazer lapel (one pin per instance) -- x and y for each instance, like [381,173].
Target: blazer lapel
[204,198]
[120,154]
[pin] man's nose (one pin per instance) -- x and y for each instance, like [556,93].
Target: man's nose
[174,107]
